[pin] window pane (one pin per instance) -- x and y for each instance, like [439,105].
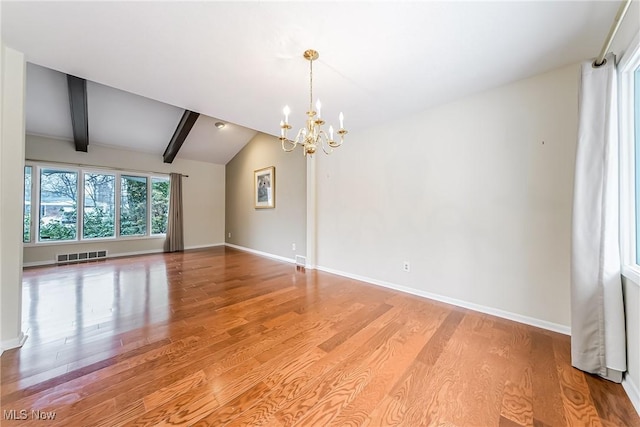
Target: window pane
[99,213]
[636,109]
[58,198]
[26,222]
[159,205]
[133,205]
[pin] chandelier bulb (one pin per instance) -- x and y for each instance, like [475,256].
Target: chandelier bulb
[318,107]
[341,117]
[286,112]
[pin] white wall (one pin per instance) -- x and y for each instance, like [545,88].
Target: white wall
[203,196]
[271,231]
[11,166]
[475,194]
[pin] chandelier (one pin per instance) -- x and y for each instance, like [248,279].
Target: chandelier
[312,135]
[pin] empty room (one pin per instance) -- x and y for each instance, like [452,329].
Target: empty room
[318,213]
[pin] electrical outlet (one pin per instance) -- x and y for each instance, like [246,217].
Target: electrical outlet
[293,246]
[229,235]
[406,266]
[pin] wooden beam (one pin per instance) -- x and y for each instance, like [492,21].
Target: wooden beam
[79,115]
[184,127]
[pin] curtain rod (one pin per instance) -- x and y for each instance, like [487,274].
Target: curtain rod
[101,167]
[624,6]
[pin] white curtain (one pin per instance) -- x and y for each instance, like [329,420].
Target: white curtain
[175,236]
[597,311]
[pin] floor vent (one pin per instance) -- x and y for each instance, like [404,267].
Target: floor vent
[301,261]
[80,256]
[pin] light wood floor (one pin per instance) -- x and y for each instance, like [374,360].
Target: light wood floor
[221,337]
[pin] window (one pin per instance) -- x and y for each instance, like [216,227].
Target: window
[58,200]
[629,91]
[159,205]
[133,205]
[71,204]
[99,211]
[26,224]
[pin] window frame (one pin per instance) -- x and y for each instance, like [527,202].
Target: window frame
[627,67]
[36,168]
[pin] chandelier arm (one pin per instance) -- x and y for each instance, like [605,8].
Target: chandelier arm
[326,145]
[299,139]
[286,142]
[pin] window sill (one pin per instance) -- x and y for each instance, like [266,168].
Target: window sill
[632,272]
[93,241]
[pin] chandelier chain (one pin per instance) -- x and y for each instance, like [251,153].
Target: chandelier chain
[311,85]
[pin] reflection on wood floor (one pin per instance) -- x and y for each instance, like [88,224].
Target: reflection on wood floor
[222,337]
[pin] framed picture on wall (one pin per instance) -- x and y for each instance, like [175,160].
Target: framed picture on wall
[264,181]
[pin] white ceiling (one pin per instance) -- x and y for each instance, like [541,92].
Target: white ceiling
[242,62]
[123,120]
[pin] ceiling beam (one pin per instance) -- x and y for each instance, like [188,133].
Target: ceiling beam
[79,115]
[184,127]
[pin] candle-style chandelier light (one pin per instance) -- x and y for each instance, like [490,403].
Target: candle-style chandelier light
[312,135]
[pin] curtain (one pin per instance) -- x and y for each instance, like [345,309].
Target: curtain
[597,311]
[175,236]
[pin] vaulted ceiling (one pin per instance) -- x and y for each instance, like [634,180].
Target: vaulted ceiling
[241,62]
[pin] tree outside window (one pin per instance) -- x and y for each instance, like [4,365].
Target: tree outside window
[99,214]
[58,202]
[26,225]
[159,205]
[133,205]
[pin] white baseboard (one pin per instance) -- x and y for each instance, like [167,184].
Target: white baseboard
[13,343]
[555,327]
[260,253]
[211,245]
[632,391]
[37,263]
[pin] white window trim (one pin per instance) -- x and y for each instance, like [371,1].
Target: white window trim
[36,166]
[629,62]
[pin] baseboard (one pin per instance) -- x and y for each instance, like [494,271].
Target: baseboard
[459,303]
[211,245]
[260,253]
[632,391]
[13,343]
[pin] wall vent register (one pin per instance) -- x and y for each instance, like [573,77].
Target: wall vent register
[80,256]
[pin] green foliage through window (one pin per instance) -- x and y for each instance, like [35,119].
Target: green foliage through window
[133,205]
[58,200]
[26,226]
[57,191]
[99,206]
[159,205]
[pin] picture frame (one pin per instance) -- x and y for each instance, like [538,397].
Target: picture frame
[264,184]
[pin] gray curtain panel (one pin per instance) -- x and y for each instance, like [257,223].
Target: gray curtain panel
[597,311]
[175,234]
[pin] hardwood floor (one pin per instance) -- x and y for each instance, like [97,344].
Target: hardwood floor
[222,337]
